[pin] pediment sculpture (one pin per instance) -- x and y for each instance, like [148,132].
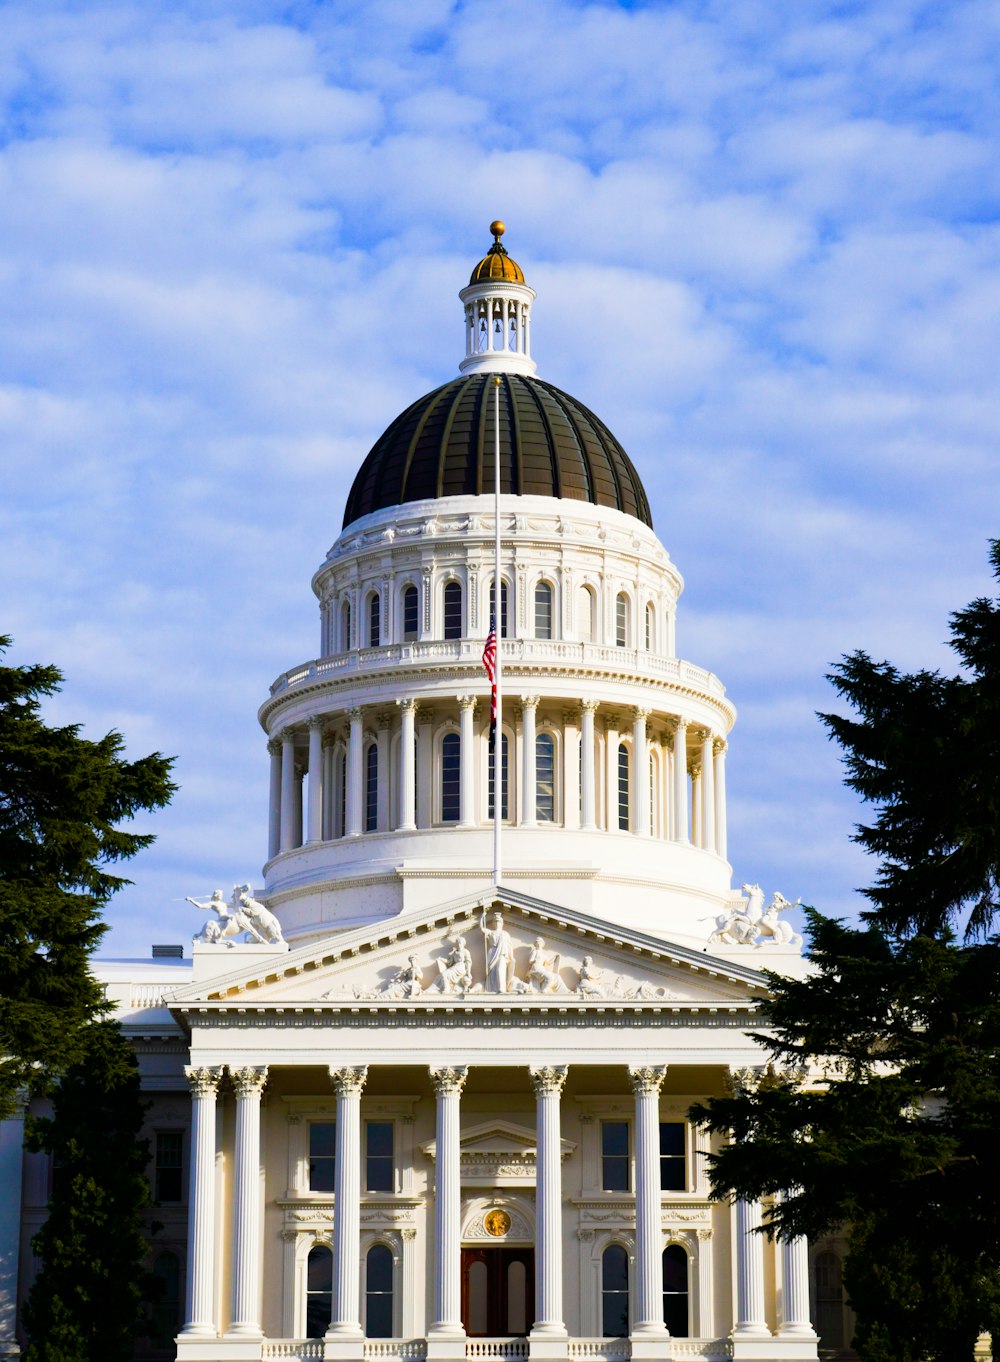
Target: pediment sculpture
[242,918]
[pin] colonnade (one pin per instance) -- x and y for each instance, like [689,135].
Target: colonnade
[514,317]
[446,1322]
[675,788]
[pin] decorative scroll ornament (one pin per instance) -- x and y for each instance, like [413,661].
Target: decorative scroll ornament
[549,1078]
[449,1081]
[749,923]
[243,917]
[647,1079]
[349,1081]
[249,1080]
[202,1082]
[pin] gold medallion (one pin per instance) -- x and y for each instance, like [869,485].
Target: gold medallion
[496,1223]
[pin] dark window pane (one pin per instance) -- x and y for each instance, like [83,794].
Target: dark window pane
[322,1148]
[673,1165]
[411,613]
[379,1176]
[614,1156]
[371,788]
[623,764]
[166,1321]
[614,1137]
[319,1270]
[543,610]
[169,1149]
[319,1291]
[453,610]
[379,1268]
[621,622]
[614,1291]
[451,778]
[503,606]
[503,780]
[545,778]
[378,1292]
[374,622]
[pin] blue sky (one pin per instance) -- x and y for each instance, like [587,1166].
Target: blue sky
[765,243]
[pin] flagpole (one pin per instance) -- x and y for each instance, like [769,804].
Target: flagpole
[497,597]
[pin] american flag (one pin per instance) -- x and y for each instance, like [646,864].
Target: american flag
[490,664]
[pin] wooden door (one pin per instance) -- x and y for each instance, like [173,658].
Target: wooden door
[498,1292]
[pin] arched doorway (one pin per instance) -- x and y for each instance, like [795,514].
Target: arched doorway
[498,1291]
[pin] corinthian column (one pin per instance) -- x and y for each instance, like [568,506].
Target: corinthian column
[640,771]
[648,1317]
[314,823]
[407,783]
[681,833]
[549,1321]
[708,793]
[248,1084]
[529,705]
[467,784]
[274,801]
[355,774]
[345,1321]
[287,790]
[750,1322]
[588,802]
[204,1084]
[447,1321]
[721,839]
[795,1320]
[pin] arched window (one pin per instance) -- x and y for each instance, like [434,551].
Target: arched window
[621,620]
[378,1292]
[675,1291]
[587,625]
[650,628]
[453,609]
[614,1292]
[345,626]
[829,1310]
[167,1301]
[623,800]
[319,1291]
[543,610]
[371,788]
[411,614]
[503,605]
[504,782]
[451,778]
[374,620]
[545,778]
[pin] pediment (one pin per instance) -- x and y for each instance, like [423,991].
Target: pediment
[497,1152]
[539,954]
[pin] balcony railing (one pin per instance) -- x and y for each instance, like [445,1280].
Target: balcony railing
[507,1349]
[497,1350]
[551,653]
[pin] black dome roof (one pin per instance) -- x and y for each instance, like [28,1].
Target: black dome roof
[550,446]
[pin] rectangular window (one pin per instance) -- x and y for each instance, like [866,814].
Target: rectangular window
[451,778]
[169,1165]
[673,1163]
[503,781]
[322,1155]
[614,1156]
[378,1154]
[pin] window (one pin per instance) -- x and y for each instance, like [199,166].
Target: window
[504,809]
[322,1155]
[621,620]
[543,610]
[503,605]
[829,1311]
[452,610]
[545,778]
[585,627]
[673,1165]
[614,1156]
[319,1291]
[166,1313]
[371,788]
[675,1290]
[650,631]
[451,778]
[623,773]
[378,1292]
[378,1156]
[169,1166]
[374,621]
[411,614]
[345,626]
[614,1292]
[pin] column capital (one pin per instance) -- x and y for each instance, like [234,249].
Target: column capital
[720,746]
[355,714]
[202,1081]
[641,711]
[424,714]
[286,735]
[611,722]
[571,717]
[383,719]
[248,1080]
[549,1078]
[449,1081]
[350,1080]
[647,1079]
[466,701]
[316,720]
[529,701]
[273,746]
[330,737]
[589,705]
[408,705]
[680,724]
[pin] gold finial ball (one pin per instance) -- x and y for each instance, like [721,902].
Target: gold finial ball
[497,228]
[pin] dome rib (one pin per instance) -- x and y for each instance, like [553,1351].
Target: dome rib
[551,445]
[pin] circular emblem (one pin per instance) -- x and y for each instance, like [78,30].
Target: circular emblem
[496,1223]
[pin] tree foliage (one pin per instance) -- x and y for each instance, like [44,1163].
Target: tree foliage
[63,800]
[896,1146]
[87,1300]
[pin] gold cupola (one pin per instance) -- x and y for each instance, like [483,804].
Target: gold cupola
[497,314]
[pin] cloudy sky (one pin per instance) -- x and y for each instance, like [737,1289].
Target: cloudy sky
[764,240]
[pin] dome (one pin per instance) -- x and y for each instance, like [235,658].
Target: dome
[496,264]
[551,445]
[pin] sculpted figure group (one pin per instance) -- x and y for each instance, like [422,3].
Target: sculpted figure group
[749,923]
[243,916]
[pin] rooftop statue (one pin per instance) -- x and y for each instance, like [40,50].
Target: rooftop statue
[242,916]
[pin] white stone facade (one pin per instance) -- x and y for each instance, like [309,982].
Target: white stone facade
[409,1129]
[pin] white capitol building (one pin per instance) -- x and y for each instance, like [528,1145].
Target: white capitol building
[399,1110]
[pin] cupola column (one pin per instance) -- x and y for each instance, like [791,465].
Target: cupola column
[467,783]
[345,1322]
[721,838]
[708,792]
[611,783]
[588,802]
[681,833]
[287,789]
[274,801]
[640,771]
[648,1312]
[529,708]
[315,820]
[355,773]
[407,783]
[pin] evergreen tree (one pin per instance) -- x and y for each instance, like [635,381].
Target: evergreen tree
[86,1302]
[63,799]
[897,1146]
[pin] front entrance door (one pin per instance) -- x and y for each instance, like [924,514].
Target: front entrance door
[498,1291]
